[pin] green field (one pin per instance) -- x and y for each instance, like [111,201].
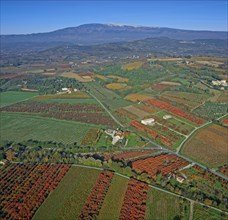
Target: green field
[20,127]
[8,98]
[114,199]
[163,206]
[201,212]
[67,201]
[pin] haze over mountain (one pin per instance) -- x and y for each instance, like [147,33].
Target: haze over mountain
[89,34]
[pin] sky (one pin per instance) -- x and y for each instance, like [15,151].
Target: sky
[34,16]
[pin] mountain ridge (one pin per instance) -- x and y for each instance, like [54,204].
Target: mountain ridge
[95,33]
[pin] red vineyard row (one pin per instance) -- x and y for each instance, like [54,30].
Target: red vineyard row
[174,110]
[96,198]
[134,205]
[164,164]
[25,187]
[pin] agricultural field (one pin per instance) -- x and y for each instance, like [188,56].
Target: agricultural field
[174,122]
[223,98]
[176,111]
[208,146]
[134,203]
[160,134]
[161,164]
[20,127]
[201,212]
[67,201]
[163,206]
[116,86]
[91,137]
[189,100]
[133,65]
[212,110]
[83,79]
[114,199]
[21,197]
[84,113]
[137,97]
[136,111]
[11,97]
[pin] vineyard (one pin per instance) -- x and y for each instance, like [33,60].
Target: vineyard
[162,164]
[25,187]
[209,146]
[154,134]
[95,200]
[176,111]
[134,205]
[86,113]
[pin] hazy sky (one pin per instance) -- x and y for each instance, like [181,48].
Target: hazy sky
[32,16]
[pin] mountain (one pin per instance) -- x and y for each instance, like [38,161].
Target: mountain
[89,34]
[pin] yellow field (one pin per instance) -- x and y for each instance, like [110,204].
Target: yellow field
[137,97]
[170,83]
[99,76]
[133,65]
[77,77]
[168,59]
[116,86]
[73,95]
[119,79]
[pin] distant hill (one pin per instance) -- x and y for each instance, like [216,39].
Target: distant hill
[161,46]
[88,34]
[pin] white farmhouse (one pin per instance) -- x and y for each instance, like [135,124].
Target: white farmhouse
[148,121]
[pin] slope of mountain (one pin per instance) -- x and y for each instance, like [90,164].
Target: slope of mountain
[103,33]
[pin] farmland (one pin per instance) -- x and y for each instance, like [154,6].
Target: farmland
[21,197]
[132,66]
[137,97]
[20,127]
[208,145]
[201,212]
[189,100]
[11,97]
[164,164]
[85,113]
[134,204]
[114,199]
[162,206]
[67,201]
[176,111]
[116,86]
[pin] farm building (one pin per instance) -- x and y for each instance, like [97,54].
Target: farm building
[167,117]
[148,121]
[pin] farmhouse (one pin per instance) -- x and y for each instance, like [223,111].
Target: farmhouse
[148,121]
[167,117]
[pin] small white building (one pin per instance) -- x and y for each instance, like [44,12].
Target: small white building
[148,121]
[167,117]
[65,89]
